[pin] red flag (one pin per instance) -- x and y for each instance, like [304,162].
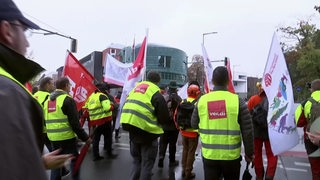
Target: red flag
[139,62]
[230,85]
[80,79]
[134,75]
[80,158]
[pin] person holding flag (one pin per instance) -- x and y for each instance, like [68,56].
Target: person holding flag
[258,107]
[100,114]
[62,122]
[143,113]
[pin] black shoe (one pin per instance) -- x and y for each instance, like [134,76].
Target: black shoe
[160,163]
[174,163]
[98,158]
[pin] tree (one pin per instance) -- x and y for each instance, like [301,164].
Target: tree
[301,47]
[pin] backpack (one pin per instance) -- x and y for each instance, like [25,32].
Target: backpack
[260,113]
[173,101]
[314,111]
[184,113]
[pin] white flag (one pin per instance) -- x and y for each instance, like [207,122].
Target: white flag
[276,82]
[183,91]
[208,69]
[115,71]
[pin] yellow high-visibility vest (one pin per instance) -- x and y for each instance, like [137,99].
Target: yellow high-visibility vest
[138,110]
[218,127]
[58,127]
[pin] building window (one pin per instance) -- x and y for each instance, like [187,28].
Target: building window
[164,61]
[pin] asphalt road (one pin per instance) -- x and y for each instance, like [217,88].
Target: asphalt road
[290,166]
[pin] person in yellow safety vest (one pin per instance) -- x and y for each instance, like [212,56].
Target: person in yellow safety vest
[62,122]
[100,114]
[21,115]
[222,118]
[190,136]
[46,86]
[304,118]
[143,113]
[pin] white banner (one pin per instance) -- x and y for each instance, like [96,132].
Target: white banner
[276,82]
[115,71]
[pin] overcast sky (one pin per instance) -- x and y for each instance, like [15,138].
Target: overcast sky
[245,27]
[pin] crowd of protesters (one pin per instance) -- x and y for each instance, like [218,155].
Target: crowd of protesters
[221,120]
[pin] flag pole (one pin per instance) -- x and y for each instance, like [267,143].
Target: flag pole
[145,57]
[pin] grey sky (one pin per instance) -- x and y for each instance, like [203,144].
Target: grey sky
[245,28]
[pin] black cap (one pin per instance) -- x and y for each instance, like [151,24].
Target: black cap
[173,85]
[10,12]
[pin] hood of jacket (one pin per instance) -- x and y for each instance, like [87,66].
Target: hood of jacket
[21,68]
[56,93]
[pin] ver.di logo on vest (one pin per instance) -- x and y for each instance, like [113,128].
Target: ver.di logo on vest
[217,109]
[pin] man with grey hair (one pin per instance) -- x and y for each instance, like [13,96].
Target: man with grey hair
[143,112]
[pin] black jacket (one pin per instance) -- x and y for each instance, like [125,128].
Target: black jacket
[21,119]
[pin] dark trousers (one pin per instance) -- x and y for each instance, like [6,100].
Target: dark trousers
[214,169]
[315,167]
[108,138]
[99,130]
[168,137]
[47,142]
[258,161]
[144,155]
[67,147]
[188,154]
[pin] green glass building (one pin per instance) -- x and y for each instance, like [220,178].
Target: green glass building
[170,62]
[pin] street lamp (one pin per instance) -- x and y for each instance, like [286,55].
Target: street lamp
[73,47]
[204,34]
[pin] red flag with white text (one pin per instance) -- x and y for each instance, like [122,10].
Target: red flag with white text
[80,79]
[230,85]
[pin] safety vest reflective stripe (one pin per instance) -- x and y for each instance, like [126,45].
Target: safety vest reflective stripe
[140,104]
[94,109]
[60,130]
[56,121]
[219,132]
[221,146]
[96,114]
[142,116]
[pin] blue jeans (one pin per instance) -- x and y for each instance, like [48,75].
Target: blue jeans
[144,156]
[67,147]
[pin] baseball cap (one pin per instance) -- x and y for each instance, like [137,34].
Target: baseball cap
[10,12]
